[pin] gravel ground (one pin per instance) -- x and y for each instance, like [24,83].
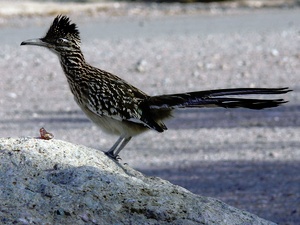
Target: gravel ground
[248,159]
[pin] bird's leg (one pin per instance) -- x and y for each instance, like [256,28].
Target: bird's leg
[117,147]
[110,152]
[122,145]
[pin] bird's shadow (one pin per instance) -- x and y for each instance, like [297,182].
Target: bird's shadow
[262,188]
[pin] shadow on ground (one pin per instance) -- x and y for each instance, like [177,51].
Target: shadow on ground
[262,188]
[285,116]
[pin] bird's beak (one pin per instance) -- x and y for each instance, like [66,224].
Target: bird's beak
[38,42]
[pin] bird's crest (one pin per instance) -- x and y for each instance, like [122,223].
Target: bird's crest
[63,28]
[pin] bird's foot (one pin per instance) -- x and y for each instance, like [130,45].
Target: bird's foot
[112,156]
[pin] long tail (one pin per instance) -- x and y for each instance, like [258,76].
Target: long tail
[217,98]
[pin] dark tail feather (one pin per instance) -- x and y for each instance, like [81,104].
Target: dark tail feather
[214,98]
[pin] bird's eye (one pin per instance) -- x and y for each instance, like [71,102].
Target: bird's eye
[62,40]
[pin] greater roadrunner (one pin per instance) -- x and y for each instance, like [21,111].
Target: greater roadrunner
[122,109]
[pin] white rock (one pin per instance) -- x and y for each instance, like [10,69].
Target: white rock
[274,52]
[55,182]
[141,66]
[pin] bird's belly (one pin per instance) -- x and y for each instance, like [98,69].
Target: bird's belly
[113,126]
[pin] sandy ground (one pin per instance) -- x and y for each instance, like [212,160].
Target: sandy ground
[248,159]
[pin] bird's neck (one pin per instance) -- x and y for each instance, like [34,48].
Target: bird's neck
[72,63]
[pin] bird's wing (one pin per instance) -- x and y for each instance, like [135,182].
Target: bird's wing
[119,100]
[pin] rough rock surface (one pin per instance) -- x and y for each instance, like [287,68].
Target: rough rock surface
[55,182]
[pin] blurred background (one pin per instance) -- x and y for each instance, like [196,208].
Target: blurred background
[248,159]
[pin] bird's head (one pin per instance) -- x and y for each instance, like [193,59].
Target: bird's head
[62,36]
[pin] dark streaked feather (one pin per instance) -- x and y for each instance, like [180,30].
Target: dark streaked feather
[214,98]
